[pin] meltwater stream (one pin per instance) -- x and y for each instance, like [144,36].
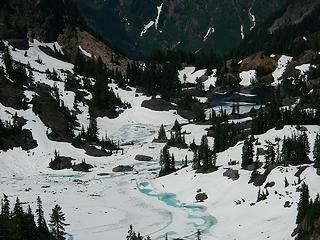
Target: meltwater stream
[195,212]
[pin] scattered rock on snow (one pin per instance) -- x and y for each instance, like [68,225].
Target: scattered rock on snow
[103,174]
[123,168]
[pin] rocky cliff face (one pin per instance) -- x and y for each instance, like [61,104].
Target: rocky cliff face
[142,26]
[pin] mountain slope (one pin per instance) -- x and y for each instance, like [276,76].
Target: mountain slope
[141,27]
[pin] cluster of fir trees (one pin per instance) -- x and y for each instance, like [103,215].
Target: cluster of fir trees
[93,67]
[57,162]
[308,214]
[204,158]
[177,139]
[19,224]
[167,162]
[69,116]
[15,71]
[200,61]
[190,103]
[272,116]
[295,150]
[103,97]
[226,133]
[155,79]
[132,235]
[247,152]
[316,151]
[91,135]
[45,98]
[8,128]
[271,154]
[314,72]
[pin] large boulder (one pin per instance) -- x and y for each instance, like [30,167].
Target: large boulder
[123,168]
[200,197]
[143,158]
[231,174]
[158,104]
[61,162]
[82,167]
[96,152]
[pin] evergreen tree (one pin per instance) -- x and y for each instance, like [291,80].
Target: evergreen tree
[162,133]
[198,235]
[92,131]
[41,222]
[316,151]
[5,206]
[186,161]
[166,164]
[130,233]
[8,62]
[295,150]
[29,225]
[204,153]
[176,138]
[57,223]
[176,126]
[247,152]
[173,163]
[303,203]
[305,142]
[17,210]
[196,160]
[270,154]
[133,236]
[214,158]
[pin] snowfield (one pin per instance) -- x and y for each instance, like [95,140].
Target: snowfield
[248,77]
[102,204]
[190,74]
[282,65]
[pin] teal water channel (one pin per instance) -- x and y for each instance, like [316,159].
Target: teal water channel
[195,211]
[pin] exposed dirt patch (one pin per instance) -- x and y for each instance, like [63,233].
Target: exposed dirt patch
[259,61]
